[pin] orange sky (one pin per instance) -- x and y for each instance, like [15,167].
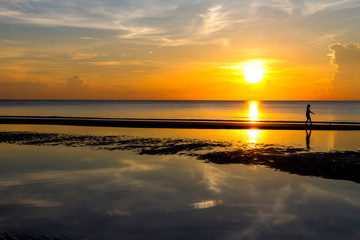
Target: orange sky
[188,50]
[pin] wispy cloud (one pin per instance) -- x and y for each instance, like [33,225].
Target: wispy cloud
[206,204]
[214,20]
[165,23]
[90,38]
[325,39]
[11,41]
[313,6]
[115,63]
[85,14]
[80,56]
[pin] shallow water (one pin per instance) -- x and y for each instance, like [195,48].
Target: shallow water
[315,141]
[84,192]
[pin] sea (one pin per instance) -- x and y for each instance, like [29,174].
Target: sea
[326,111]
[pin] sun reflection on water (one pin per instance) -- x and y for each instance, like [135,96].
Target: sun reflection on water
[253,111]
[253,135]
[254,117]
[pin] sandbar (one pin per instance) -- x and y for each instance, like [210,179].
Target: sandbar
[177,123]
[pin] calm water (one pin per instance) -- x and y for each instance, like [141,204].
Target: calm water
[226,110]
[86,193]
[83,192]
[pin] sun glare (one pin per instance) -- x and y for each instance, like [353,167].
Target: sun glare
[253,72]
[253,135]
[253,111]
[254,117]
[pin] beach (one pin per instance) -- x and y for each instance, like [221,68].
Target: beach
[111,177]
[177,120]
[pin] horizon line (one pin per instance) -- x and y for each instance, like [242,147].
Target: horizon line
[218,100]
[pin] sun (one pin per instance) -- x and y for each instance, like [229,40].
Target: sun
[253,72]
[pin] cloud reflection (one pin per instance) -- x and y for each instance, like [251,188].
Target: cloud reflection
[206,204]
[124,195]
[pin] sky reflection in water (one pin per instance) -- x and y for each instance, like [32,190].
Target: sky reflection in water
[54,190]
[319,140]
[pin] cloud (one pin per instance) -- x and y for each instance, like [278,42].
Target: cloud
[81,56]
[11,41]
[170,22]
[75,83]
[84,13]
[23,90]
[206,204]
[214,20]
[108,63]
[326,38]
[89,38]
[314,6]
[74,88]
[347,78]
[116,63]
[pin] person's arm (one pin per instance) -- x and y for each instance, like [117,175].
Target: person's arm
[312,112]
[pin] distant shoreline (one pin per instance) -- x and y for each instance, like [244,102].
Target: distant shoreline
[177,123]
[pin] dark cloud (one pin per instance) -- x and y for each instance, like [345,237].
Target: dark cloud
[347,79]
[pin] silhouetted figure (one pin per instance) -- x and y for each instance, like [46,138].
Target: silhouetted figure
[308,135]
[308,111]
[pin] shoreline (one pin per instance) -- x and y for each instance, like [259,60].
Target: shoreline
[177,123]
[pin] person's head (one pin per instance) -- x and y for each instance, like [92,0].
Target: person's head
[308,105]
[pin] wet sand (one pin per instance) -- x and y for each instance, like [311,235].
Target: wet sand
[177,123]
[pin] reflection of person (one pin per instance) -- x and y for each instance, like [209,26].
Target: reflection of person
[308,118]
[308,135]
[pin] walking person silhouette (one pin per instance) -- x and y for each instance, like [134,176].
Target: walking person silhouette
[308,118]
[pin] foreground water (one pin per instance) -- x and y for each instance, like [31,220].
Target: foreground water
[78,189]
[333,111]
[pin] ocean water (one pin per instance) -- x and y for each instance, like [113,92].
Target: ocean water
[328,111]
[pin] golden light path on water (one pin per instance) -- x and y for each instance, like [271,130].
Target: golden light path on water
[253,111]
[254,117]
